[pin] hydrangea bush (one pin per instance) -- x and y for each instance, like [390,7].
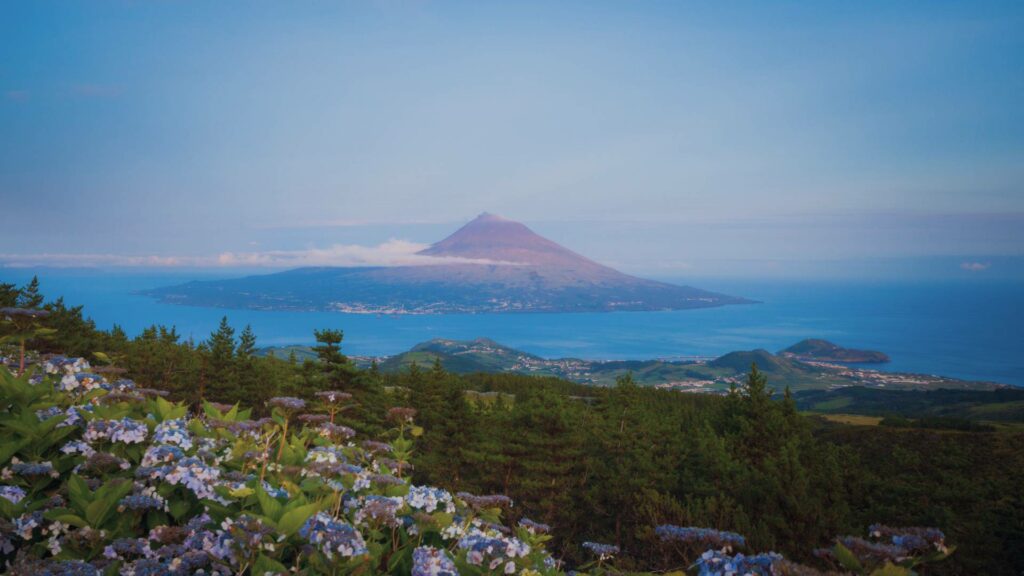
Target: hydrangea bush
[109,478]
[100,477]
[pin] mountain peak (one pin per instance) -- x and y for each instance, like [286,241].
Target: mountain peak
[488,217]
[494,238]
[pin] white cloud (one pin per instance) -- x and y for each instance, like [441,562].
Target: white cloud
[391,253]
[975,266]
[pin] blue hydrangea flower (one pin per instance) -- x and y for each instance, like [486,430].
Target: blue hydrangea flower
[493,550]
[13,494]
[534,527]
[48,413]
[602,551]
[429,499]
[195,475]
[332,536]
[67,568]
[156,455]
[142,502]
[287,403]
[693,535]
[429,561]
[173,432]
[78,447]
[33,469]
[716,563]
[125,430]
[25,524]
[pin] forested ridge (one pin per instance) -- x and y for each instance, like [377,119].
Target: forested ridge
[610,464]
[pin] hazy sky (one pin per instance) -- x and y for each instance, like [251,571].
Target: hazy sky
[655,136]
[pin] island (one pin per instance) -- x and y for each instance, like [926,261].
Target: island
[490,265]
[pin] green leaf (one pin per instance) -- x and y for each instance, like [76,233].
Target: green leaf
[891,570]
[79,493]
[71,519]
[105,501]
[9,449]
[179,508]
[7,509]
[847,559]
[270,506]
[292,520]
[264,565]
[212,412]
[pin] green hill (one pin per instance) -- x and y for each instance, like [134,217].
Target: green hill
[814,349]
[460,357]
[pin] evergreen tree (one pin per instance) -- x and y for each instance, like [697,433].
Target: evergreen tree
[246,343]
[220,363]
[29,295]
[8,295]
[336,367]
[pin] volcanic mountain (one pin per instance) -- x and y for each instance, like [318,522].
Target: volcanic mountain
[489,265]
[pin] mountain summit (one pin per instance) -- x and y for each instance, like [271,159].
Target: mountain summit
[491,237]
[489,265]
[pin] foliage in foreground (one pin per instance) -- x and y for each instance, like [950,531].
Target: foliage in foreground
[112,478]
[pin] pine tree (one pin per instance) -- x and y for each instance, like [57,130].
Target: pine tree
[246,343]
[220,366]
[29,295]
[8,295]
[336,367]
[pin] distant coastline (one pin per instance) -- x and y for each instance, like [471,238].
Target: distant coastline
[706,375]
[926,329]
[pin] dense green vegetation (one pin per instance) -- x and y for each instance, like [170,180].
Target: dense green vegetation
[610,464]
[1004,404]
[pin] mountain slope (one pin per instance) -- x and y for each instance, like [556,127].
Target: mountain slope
[489,265]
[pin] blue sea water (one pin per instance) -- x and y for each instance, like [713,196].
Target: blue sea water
[963,329]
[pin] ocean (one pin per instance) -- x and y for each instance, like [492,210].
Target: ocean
[964,329]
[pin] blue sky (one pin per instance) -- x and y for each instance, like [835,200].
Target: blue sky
[661,137]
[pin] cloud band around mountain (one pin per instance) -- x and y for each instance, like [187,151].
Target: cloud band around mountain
[394,252]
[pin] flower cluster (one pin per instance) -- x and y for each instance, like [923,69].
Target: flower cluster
[715,563]
[173,432]
[142,502]
[914,539]
[30,469]
[287,403]
[534,527]
[485,502]
[429,561]
[702,536]
[80,382]
[125,430]
[65,365]
[333,396]
[493,551]
[332,536]
[13,494]
[429,499]
[602,551]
